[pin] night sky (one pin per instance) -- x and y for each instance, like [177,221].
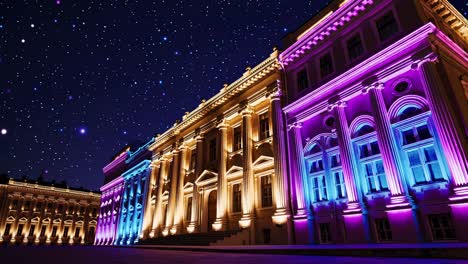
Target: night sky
[81,79]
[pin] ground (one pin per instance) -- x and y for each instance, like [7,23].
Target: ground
[101,255]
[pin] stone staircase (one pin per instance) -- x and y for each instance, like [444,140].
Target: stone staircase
[195,239]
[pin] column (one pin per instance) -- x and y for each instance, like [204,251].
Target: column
[221,201]
[194,221]
[450,130]
[179,209]
[346,153]
[388,148]
[158,213]
[149,209]
[247,177]
[173,191]
[281,214]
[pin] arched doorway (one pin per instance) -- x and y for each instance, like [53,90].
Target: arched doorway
[211,209]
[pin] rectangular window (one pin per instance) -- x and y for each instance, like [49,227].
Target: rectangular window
[91,231]
[77,232]
[384,232]
[7,230]
[375,174]
[54,231]
[441,227]
[326,65]
[237,138]
[82,210]
[340,185]
[316,166]
[193,160]
[266,191]
[39,206]
[27,205]
[60,208]
[236,198]
[319,188]
[65,231]
[20,230]
[302,80]
[387,26]
[43,229]
[264,126]
[212,149]
[31,230]
[325,235]
[335,160]
[266,236]
[188,211]
[354,46]
[425,165]
[14,204]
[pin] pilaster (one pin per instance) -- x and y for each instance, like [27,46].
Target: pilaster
[221,202]
[248,181]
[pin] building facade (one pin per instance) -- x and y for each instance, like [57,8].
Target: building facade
[355,133]
[41,213]
[376,120]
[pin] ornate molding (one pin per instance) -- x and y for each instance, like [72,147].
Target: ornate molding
[339,103]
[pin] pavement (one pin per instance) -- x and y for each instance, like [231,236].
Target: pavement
[424,250]
[123,255]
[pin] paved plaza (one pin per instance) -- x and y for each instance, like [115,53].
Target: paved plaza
[101,255]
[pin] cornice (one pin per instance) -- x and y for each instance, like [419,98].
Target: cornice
[51,190]
[251,77]
[112,183]
[133,155]
[117,161]
[137,169]
[339,18]
[375,65]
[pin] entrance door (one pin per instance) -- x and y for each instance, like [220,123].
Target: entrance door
[211,209]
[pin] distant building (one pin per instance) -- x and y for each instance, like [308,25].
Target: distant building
[41,213]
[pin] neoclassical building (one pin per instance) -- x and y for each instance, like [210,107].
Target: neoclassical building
[355,133]
[377,119]
[41,213]
[223,167]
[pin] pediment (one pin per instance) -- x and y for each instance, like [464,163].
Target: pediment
[23,219]
[68,222]
[46,221]
[57,221]
[35,219]
[166,193]
[234,170]
[188,185]
[263,160]
[79,222]
[10,219]
[93,222]
[206,177]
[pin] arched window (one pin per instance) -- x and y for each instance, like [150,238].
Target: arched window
[370,164]
[419,148]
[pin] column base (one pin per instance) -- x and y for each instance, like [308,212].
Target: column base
[192,227]
[398,202]
[353,208]
[245,221]
[165,231]
[173,230]
[219,224]
[460,194]
[280,217]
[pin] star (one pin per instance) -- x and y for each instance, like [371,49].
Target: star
[82,131]
[23,40]
[4,131]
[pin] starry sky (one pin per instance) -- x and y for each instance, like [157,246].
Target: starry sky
[79,80]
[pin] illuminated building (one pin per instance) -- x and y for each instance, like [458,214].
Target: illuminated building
[223,167]
[44,213]
[376,116]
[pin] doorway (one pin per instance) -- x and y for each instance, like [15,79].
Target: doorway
[211,209]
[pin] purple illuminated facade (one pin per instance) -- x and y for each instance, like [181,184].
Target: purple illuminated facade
[377,123]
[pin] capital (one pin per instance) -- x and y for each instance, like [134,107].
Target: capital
[275,93]
[246,110]
[297,125]
[418,62]
[221,123]
[332,106]
[376,85]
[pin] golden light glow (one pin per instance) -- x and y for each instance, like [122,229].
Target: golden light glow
[314,25]
[191,228]
[173,230]
[244,223]
[342,3]
[165,232]
[280,219]
[217,226]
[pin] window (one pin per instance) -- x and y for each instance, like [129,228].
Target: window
[237,138]
[441,227]
[386,26]
[266,191]
[264,126]
[236,198]
[354,46]
[188,211]
[93,212]
[7,230]
[49,206]
[14,204]
[325,235]
[60,208]
[54,231]
[82,209]
[317,177]
[31,230]
[212,149]
[20,230]
[65,231]
[91,231]
[266,236]
[375,176]
[27,205]
[384,232]
[326,65]
[193,160]
[340,185]
[43,229]
[38,206]
[302,80]
[425,165]
[77,232]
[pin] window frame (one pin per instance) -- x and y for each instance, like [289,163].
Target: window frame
[376,30]
[345,45]
[319,57]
